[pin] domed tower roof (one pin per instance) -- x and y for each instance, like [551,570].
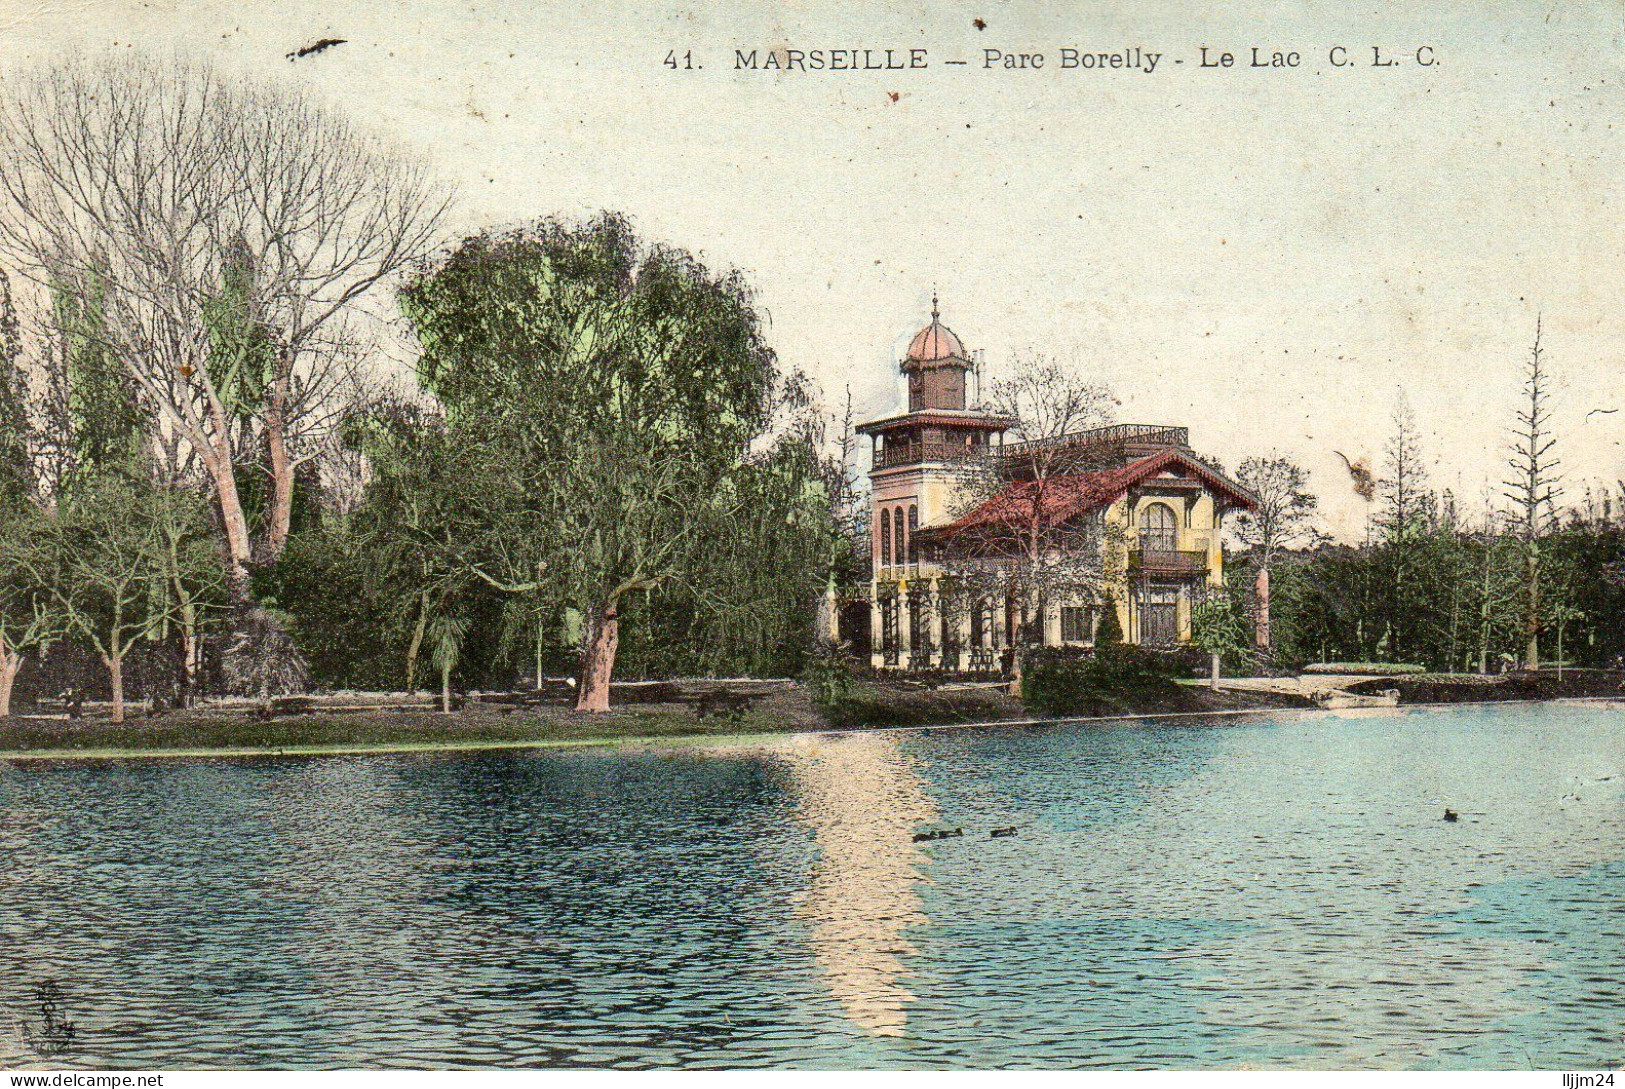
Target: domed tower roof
[935,342]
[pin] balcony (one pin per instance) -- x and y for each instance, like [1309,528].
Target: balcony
[894,454]
[1158,561]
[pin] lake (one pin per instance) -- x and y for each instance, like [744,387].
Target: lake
[1256,891]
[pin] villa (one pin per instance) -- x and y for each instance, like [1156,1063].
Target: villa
[1124,517]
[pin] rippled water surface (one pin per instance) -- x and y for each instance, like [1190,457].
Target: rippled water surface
[1236,892]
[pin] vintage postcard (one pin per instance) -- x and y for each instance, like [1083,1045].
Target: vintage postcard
[811,536]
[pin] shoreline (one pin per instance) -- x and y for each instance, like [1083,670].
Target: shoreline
[706,740]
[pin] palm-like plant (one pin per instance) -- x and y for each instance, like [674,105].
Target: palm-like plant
[446,635]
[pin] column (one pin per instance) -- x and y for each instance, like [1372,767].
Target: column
[905,624]
[877,627]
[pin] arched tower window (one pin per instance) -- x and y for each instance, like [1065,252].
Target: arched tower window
[1159,528]
[885,538]
[913,524]
[899,541]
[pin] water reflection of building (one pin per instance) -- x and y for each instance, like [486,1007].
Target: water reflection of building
[863,801]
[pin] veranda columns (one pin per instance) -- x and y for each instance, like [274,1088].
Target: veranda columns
[877,628]
[905,624]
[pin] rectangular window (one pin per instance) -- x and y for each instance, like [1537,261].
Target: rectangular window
[1076,626]
[1159,615]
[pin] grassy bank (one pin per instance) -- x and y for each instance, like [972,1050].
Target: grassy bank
[770,710]
[1521,685]
[474,726]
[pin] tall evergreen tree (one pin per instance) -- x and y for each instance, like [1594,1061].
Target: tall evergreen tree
[1404,517]
[1533,487]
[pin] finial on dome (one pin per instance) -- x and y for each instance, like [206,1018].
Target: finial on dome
[934,314]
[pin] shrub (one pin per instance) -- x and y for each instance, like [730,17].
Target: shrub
[1113,680]
[828,677]
[1374,669]
[1109,633]
[866,706]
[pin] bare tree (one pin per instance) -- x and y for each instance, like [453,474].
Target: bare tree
[1533,488]
[1030,529]
[230,231]
[1284,518]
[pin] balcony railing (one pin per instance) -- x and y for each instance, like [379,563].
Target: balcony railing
[894,454]
[1149,434]
[1157,561]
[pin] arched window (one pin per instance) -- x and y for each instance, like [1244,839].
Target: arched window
[899,541]
[1159,528]
[913,524]
[885,538]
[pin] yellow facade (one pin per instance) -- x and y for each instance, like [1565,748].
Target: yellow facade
[1156,576]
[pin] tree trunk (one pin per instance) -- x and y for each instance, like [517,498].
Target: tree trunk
[416,645]
[541,632]
[1261,588]
[115,675]
[445,690]
[190,657]
[1214,677]
[1531,621]
[10,662]
[282,480]
[239,546]
[598,647]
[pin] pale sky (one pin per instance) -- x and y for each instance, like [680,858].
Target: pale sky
[1267,257]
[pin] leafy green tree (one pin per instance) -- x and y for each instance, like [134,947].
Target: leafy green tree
[618,389]
[752,606]
[440,518]
[110,557]
[1220,628]
[105,422]
[1589,548]
[31,618]
[342,612]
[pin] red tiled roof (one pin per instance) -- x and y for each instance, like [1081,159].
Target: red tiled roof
[985,421]
[1060,498]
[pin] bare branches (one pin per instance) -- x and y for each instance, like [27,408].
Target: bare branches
[1285,515]
[1039,537]
[151,186]
[1534,488]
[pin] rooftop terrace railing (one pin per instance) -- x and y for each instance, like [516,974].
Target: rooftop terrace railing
[1115,434]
